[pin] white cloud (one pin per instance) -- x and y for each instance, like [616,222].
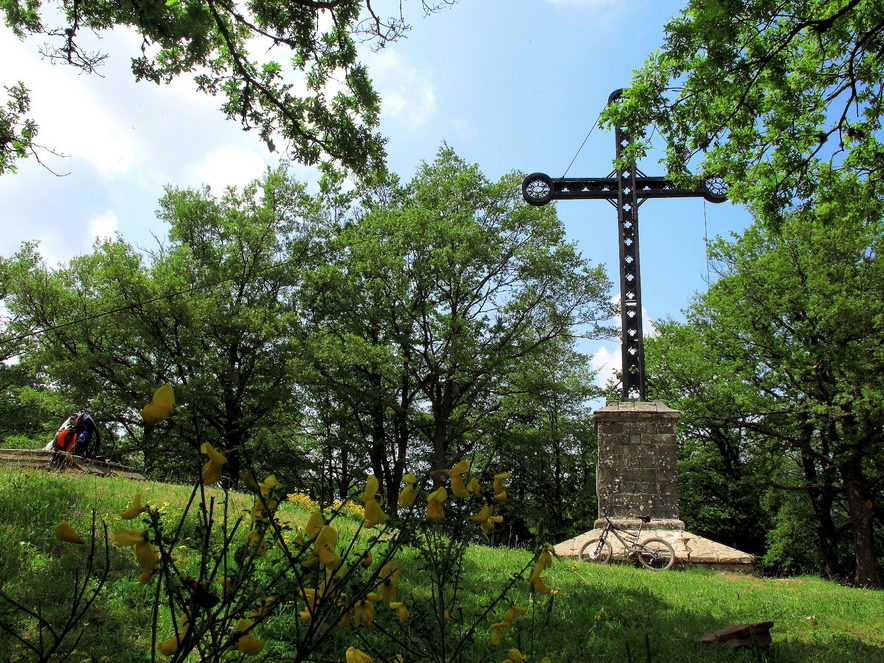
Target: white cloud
[104,226]
[71,118]
[227,166]
[607,358]
[605,362]
[406,92]
[648,328]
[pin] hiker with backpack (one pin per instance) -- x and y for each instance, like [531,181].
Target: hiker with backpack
[77,434]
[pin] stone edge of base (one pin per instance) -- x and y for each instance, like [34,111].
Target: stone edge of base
[633,524]
[708,554]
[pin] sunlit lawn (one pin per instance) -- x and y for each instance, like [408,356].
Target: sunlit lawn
[611,613]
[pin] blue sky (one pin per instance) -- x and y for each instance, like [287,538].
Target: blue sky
[509,84]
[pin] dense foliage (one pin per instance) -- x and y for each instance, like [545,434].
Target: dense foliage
[779,370]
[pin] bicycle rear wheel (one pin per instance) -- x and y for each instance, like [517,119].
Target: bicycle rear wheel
[656,554]
[596,550]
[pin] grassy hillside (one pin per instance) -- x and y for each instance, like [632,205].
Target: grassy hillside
[612,613]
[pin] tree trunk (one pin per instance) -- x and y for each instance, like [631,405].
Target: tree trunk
[859,507]
[822,496]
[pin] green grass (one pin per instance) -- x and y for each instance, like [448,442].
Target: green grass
[598,613]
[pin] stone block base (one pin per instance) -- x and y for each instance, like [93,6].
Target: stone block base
[637,472]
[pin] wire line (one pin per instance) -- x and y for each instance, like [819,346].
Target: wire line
[594,125]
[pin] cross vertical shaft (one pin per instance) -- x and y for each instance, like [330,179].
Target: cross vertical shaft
[632,350]
[625,188]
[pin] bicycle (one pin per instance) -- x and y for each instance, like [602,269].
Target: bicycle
[655,554]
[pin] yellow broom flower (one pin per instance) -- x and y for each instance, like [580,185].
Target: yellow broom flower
[344,621]
[403,611]
[64,532]
[514,610]
[389,575]
[211,472]
[314,524]
[324,547]
[270,486]
[540,586]
[544,561]
[489,524]
[129,537]
[243,640]
[364,613]
[146,555]
[435,510]
[170,647]
[309,596]
[249,480]
[409,493]
[496,632]
[458,488]
[356,656]
[255,539]
[373,513]
[135,510]
[516,656]
[483,515]
[498,481]
[161,407]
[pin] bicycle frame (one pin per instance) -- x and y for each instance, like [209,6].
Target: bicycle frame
[630,541]
[653,553]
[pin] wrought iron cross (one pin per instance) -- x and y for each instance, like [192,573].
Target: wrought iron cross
[626,189]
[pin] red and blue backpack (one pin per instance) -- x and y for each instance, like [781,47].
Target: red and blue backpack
[74,434]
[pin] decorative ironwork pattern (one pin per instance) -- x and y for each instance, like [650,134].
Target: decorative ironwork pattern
[626,189]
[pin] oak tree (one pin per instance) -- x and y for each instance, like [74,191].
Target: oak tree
[321,102]
[792,332]
[765,94]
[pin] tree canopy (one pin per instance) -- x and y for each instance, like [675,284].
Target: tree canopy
[321,103]
[399,327]
[208,312]
[780,372]
[434,297]
[764,94]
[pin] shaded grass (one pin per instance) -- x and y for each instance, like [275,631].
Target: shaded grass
[598,613]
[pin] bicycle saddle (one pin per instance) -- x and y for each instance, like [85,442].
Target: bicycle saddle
[645,519]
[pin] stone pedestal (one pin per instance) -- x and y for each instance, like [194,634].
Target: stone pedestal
[637,470]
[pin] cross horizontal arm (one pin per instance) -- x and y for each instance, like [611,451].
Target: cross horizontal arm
[539,188]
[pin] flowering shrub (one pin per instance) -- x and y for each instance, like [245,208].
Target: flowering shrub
[303,500]
[254,582]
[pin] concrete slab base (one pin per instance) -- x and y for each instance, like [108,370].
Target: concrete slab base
[690,550]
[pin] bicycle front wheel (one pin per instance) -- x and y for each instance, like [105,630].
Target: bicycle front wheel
[656,554]
[596,550]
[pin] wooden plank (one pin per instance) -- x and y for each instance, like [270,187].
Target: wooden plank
[60,460]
